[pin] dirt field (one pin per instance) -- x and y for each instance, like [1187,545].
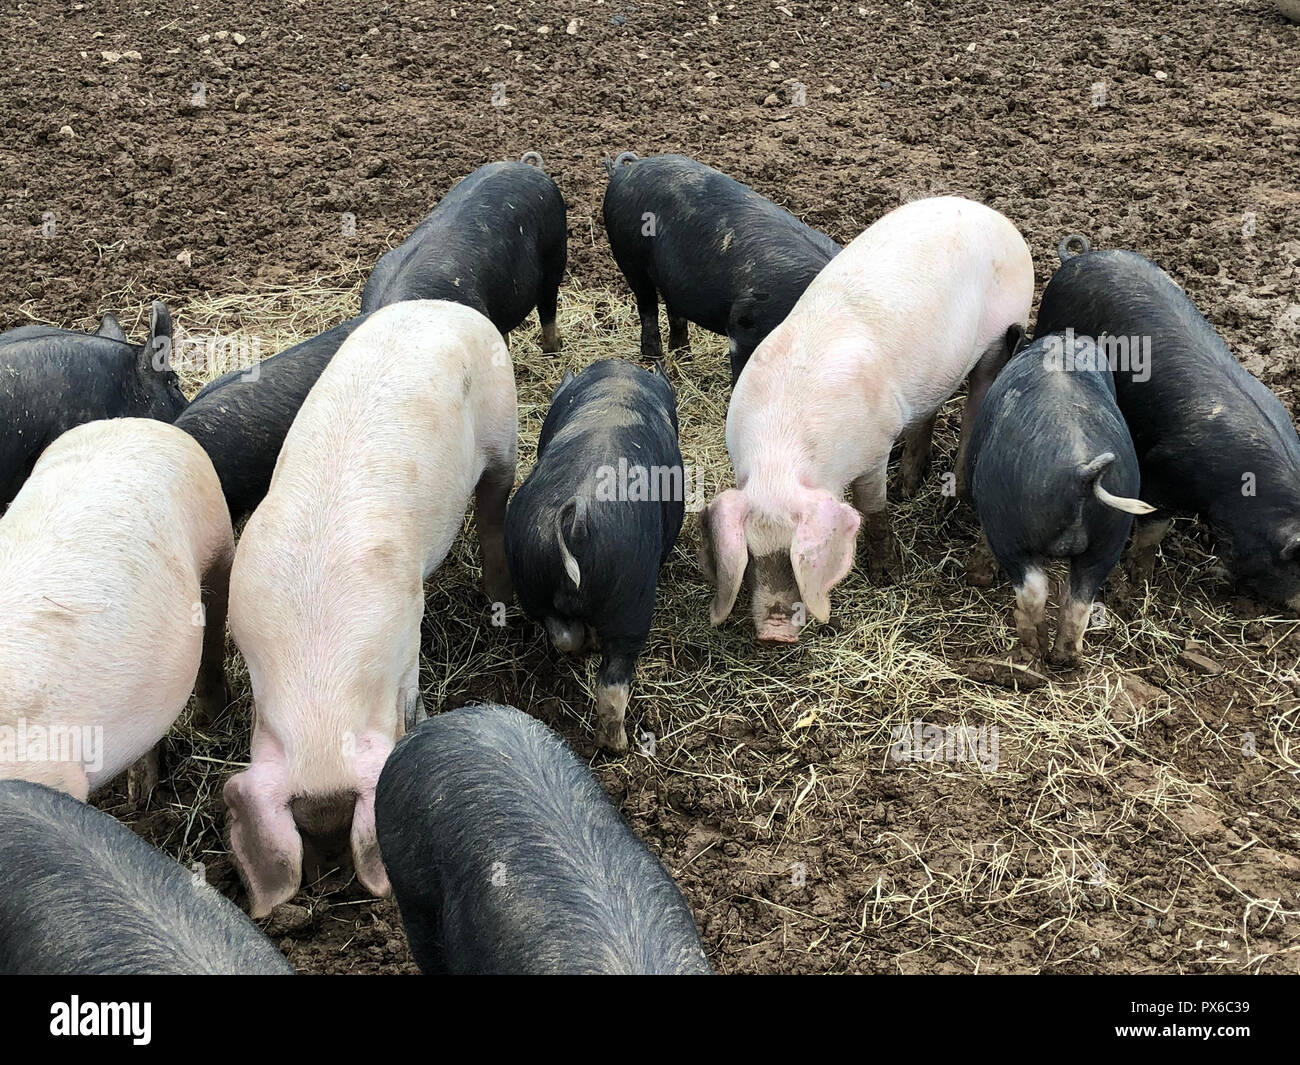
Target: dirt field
[1143,815]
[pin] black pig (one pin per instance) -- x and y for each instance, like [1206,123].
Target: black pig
[53,379]
[718,253]
[506,856]
[1046,436]
[496,242]
[1211,439]
[241,418]
[587,532]
[84,895]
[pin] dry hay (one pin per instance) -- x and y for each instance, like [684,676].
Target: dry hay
[1124,827]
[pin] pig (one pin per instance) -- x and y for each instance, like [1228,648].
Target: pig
[242,417]
[114,566]
[83,895]
[415,412]
[1046,437]
[1211,439]
[588,531]
[879,340]
[719,254]
[506,856]
[52,379]
[497,242]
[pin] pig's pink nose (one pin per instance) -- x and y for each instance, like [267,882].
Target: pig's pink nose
[777,636]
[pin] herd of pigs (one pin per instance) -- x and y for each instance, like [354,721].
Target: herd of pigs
[353,457]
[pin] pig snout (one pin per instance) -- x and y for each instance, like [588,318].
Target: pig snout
[777,627]
[325,825]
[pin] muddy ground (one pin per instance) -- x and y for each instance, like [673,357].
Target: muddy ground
[1143,817]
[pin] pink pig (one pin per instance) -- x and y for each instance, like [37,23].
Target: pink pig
[415,413]
[885,333]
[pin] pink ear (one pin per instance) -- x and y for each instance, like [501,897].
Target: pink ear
[723,551]
[373,750]
[822,550]
[263,837]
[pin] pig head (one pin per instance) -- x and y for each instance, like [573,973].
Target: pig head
[791,552]
[278,826]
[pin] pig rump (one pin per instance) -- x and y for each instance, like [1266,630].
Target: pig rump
[83,894]
[507,857]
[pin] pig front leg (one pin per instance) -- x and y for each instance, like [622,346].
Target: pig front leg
[1141,561]
[211,689]
[916,453]
[869,496]
[977,387]
[143,776]
[490,496]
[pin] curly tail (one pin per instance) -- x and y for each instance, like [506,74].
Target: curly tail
[1073,240]
[1091,473]
[623,157]
[533,159]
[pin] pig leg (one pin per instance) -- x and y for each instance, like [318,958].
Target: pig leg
[490,519]
[977,387]
[678,337]
[1147,534]
[916,453]
[547,298]
[878,539]
[1031,611]
[566,636]
[211,689]
[263,836]
[647,309]
[982,565]
[1087,572]
[613,689]
[142,778]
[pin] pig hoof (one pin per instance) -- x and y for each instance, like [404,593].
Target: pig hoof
[551,342]
[980,572]
[1025,656]
[210,705]
[612,737]
[499,590]
[141,779]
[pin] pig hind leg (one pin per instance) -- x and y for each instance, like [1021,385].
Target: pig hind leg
[490,496]
[143,776]
[647,309]
[548,297]
[613,690]
[678,334]
[869,496]
[1030,583]
[977,386]
[1088,571]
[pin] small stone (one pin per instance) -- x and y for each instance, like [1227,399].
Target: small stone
[111,57]
[572,28]
[133,55]
[970,47]
[832,90]
[66,133]
[1160,75]
[288,918]
[203,38]
[772,100]
[1200,664]
[185,257]
[242,99]
[222,35]
[239,38]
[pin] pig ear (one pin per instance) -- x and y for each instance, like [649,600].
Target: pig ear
[822,550]
[156,356]
[723,551]
[263,837]
[110,327]
[565,381]
[368,763]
